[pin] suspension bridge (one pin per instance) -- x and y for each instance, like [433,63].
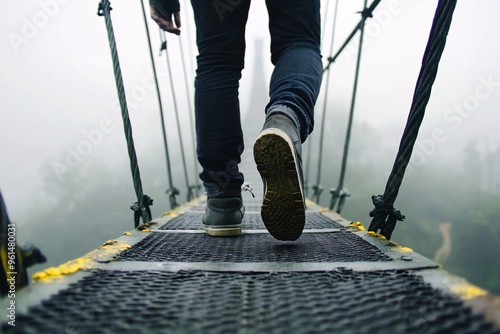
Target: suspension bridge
[166,276]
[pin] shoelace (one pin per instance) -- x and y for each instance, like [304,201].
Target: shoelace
[247,187]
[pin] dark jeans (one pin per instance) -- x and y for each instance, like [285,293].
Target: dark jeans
[295,51]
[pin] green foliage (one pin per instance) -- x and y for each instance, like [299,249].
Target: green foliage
[464,193]
[476,236]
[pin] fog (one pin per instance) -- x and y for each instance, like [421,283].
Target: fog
[65,174]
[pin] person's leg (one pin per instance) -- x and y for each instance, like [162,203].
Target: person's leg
[295,47]
[220,36]
[294,88]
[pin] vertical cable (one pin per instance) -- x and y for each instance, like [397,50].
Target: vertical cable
[317,187]
[176,110]
[141,207]
[172,192]
[197,185]
[340,192]
[385,216]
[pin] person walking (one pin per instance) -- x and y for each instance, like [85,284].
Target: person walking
[295,31]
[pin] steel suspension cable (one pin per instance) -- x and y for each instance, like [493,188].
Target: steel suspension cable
[367,13]
[141,207]
[13,271]
[172,191]
[176,111]
[14,258]
[340,193]
[317,187]
[384,214]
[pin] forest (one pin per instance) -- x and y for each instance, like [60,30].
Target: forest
[451,211]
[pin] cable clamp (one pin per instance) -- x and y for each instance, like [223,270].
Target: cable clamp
[102,7]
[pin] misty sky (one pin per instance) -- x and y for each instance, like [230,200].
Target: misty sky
[58,97]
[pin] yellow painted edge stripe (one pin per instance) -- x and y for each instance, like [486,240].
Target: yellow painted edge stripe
[396,248]
[109,248]
[403,249]
[175,212]
[376,235]
[467,291]
[357,225]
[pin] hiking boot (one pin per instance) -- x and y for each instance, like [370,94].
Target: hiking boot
[223,216]
[277,155]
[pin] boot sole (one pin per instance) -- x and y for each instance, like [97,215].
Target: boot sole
[226,231]
[283,209]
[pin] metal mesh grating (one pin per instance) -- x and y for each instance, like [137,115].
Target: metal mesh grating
[186,221]
[310,247]
[317,220]
[207,302]
[251,221]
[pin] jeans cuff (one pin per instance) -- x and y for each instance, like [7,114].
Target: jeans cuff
[213,190]
[285,110]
